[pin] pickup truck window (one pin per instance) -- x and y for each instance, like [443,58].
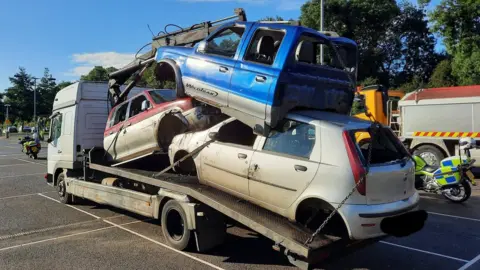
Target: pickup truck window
[309,52]
[225,43]
[298,140]
[120,113]
[136,106]
[264,46]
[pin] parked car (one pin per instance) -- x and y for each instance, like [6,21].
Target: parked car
[27,129]
[12,129]
[147,122]
[308,167]
[257,72]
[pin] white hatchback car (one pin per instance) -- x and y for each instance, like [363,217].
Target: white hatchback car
[305,171]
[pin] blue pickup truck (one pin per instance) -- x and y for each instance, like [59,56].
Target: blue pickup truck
[259,71]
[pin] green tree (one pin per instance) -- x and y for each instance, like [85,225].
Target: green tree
[394,40]
[46,91]
[442,75]
[98,74]
[20,96]
[458,22]
[276,18]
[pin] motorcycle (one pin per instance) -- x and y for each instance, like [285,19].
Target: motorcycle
[30,147]
[452,177]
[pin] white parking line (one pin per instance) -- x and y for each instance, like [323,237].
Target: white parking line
[470,263]
[21,175]
[164,245]
[19,164]
[24,195]
[43,164]
[424,251]
[71,206]
[65,236]
[10,146]
[439,214]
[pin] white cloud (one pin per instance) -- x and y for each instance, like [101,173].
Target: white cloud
[86,61]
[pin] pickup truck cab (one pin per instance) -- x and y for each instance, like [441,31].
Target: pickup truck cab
[258,72]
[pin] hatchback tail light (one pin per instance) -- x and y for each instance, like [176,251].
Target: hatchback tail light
[357,167]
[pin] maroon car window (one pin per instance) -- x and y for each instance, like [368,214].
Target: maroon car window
[136,106]
[120,113]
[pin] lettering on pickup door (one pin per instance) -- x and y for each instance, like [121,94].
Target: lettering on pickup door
[201,89]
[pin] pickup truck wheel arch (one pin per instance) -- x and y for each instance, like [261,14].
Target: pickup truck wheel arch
[168,70]
[305,213]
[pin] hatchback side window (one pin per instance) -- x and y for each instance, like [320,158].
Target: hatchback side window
[264,46]
[136,106]
[226,42]
[120,113]
[298,140]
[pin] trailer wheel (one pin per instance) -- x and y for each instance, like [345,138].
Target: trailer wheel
[65,197]
[174,225]
[431,154]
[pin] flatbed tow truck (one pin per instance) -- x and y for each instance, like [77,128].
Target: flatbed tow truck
[207,210]
[189,212]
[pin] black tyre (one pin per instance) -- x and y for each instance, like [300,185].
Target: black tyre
[65,197]
[35,156]
[431,154]
[174,225]
[459,194]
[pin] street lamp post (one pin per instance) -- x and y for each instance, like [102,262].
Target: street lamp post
[321,30]
[35,96]
[7,105]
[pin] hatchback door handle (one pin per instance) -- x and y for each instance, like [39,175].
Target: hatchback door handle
[242,156]
[59,151]
[260,78]
[129,124]
[110,133]
[300,168]
[223,69]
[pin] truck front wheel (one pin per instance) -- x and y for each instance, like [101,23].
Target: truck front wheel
[65,197]
[431,154]
[174,225]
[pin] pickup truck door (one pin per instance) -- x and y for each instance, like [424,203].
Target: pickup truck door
[257,71]
[282,168]
[114,136]
[208,71]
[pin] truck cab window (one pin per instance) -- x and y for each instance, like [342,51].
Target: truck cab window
[120,113]
[136,106]
[298,140]
[226,42]
[264,46]
[56,129]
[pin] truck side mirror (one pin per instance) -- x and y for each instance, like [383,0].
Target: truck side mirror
[202,46]
[145,105]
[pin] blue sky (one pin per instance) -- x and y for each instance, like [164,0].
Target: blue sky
[70,37]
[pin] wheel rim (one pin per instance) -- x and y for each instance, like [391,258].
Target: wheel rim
[61,189]
[455,193]
[430,158]
[175,225]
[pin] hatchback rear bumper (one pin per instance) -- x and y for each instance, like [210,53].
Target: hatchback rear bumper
[366,221]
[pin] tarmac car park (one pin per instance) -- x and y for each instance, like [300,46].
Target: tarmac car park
[37,232]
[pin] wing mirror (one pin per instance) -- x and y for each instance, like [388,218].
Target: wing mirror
[145,105]
[202,46]
[49,140]
[213,136]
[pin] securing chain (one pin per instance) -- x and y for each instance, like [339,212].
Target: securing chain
[375,128]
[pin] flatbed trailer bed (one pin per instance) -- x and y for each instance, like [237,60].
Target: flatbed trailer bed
[288,237]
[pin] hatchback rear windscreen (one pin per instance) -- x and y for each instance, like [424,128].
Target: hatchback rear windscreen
[387,148]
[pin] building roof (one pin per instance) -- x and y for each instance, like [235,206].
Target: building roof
[445,92]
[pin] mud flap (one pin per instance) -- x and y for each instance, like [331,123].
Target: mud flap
[210,228]
[405,224]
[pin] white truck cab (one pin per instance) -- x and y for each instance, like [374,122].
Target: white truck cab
[78,119]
